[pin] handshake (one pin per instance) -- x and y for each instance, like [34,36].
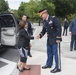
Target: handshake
[37,37]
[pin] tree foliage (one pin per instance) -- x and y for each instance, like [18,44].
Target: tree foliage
[64,7]
[60,8]
[49,6]
[3,6]
[33,6]
[21,9]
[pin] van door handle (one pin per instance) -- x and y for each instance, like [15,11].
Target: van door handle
[4,29]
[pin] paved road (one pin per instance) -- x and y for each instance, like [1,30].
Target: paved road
[8,60]
[10,54]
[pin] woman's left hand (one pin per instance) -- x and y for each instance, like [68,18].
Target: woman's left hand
[57,41]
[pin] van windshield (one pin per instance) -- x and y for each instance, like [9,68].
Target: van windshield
[7,21]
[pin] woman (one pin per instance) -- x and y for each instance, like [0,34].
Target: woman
[23,45]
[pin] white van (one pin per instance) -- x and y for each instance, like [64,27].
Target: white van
[9,29]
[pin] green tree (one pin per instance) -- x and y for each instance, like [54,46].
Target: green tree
[49,6]
[15,12]
[3,6]
[64,7]
[21,9]
[33,6]
[30,9]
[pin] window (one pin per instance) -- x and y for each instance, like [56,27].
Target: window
[7,21]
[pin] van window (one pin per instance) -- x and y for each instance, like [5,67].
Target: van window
[2,23]
[0,33]
[7,21]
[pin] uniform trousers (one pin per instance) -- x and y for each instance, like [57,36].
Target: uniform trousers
[52,51]
[65,31]
[73,42]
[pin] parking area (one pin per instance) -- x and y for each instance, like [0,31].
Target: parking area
[9,58]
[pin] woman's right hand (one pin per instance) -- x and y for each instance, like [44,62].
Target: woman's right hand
[38,37]
[70,33]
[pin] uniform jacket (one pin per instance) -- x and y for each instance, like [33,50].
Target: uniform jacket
[53,28]
[24,38]
[65,24]
[72,27]
[30,30]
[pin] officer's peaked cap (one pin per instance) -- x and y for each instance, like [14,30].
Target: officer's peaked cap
[43,10]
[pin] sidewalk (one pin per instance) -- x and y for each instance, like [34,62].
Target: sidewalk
[68,57]
[65,44]
[39,56]
[8,68]
[65,47]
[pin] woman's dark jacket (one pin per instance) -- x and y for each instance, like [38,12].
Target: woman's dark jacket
[24,39]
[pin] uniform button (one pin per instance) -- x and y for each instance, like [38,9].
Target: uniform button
[51,27]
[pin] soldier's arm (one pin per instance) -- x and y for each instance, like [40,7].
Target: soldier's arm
[70,27]
[42,32]
[58,28]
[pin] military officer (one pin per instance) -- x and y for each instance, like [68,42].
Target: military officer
[52,26]
[72,30]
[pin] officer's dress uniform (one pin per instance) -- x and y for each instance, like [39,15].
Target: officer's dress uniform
[72,29]
[65,27]
[53,28]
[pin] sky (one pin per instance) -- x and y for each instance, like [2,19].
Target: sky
[14,4]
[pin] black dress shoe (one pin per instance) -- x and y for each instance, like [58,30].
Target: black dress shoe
[26,69]
[19,69]
[74,48]
[70,49]
[55,70]
[29,55]
[44,67]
